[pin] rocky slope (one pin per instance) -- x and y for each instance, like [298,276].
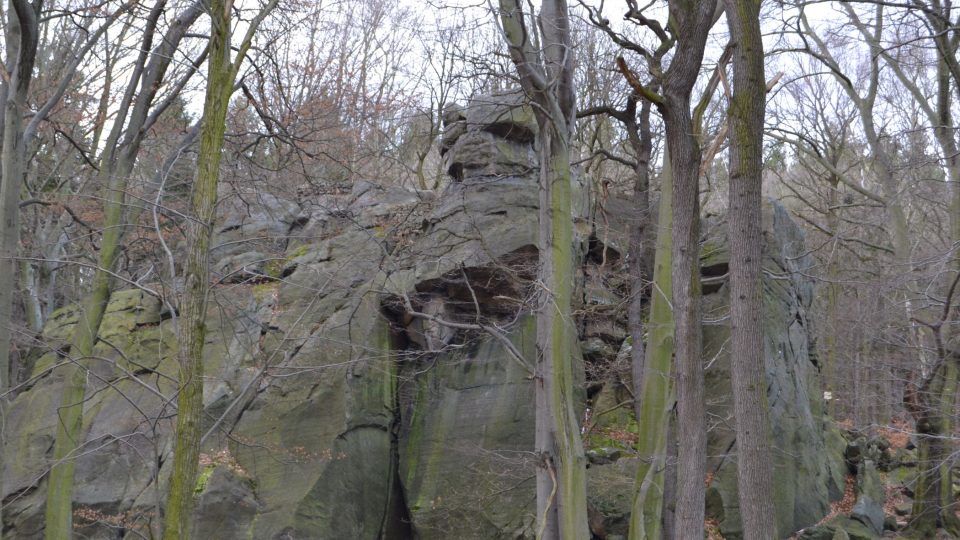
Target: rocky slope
[340,402]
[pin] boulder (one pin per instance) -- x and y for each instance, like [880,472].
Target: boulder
[839,528]
[493,136]
[868,508]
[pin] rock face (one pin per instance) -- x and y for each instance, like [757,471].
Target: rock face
[809,472]
[342,403]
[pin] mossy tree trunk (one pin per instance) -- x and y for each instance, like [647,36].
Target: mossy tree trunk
[656,394]
[748,373]
[561,472]
[22,38]
[192,331]
[121,149]
[561,479]
[221,75]
[933,493]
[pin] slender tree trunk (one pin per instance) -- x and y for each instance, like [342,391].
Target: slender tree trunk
[116,167]
[748,374]
[22,30]
[561,474]
[22,50]
[59,511]
[9,235]
[830,353]
[197,283]
[646,519]
[221,74]
[642,142]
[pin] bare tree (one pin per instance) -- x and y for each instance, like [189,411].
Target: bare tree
[937,386]
[221,75]
[122,147]
[23,39]
[685,33]
[547,78]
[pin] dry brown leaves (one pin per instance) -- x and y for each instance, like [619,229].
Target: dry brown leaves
[897,434]
[712,528]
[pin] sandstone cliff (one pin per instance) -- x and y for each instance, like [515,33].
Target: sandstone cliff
[340,405]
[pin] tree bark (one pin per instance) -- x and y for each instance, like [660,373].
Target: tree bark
[22,32]
[561,482]
[695,20]
[642,142]
[221,74]
[194,310]
[646,519]
[561,474]
[748,374]
[691,409]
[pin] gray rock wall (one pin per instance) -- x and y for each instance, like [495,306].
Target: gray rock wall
[342,414]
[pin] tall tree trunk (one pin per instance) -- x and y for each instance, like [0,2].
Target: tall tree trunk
[694,21]
[561,484]
[22,31]
[691,409]
[116,167]
[748,374]
[642,142]
[561,473]
[830,364]
[656,394]
[194,310]
[221,74]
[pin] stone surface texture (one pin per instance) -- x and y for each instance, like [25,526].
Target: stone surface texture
[340,404]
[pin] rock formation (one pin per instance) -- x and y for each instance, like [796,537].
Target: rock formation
[367,367]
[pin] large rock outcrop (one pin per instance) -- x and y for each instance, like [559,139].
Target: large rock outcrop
[338,402]
[808,471]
